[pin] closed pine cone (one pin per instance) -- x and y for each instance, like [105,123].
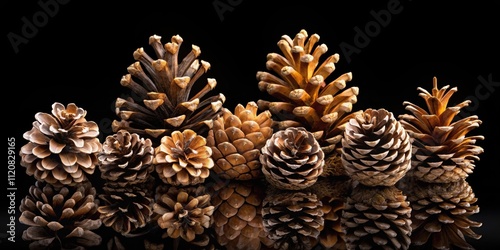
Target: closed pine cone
[236,139]
[377,218]
[376,149]
[126,159]
[292,159]
[62,147]
[163,88]
[441,214]
[60,217]
[442,150]
[298,80]
[183,159]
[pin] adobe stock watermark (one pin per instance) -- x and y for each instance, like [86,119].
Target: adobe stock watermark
[483,91]
[364,34]
[223,6]
[31,26]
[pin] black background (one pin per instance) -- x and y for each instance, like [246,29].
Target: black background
[80,53]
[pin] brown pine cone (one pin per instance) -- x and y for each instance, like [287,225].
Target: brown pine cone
[126,159]
[376,149]
[441,214]
[60,217]
[442,150]
[377,218]
[183,159]
[238,216]
[292,219]
[62,147]
[236,140]
[292,159]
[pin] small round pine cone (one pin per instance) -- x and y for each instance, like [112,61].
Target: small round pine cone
[377,218]
[236,139]
[376,149]
[60,217]
[292,159]
[62,147]
[183,158]
[126,159]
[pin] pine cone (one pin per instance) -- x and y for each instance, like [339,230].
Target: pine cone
[292,219]
[377,218]
[376,149]
[126,209]
[60,217]
[298,80]
[292,159]
[442,152]
[236,140]
[62,148]
[441,214]
[126,159]
[163,87]
[237,216]
[183,158]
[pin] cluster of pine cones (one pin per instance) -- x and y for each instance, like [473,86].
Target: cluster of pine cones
[299,170]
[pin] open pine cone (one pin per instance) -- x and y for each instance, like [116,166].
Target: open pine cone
[304,97]
[236,139]
[163,88]
[60,217]
[183,158]
[376,149]
[126,159]
[292,159]
[442,150]
[62,147]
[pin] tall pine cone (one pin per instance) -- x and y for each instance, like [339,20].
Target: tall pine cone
[441,214]
[60,217]
[62,147]
[292,159]
[377,218]
[292,219]
[236,139]
[163,86]
[183,158]
[126,159]
[376,149]
[303,95]
[442,150]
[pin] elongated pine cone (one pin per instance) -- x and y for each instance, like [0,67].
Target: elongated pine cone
[60,217]
[376,149]
[163,88]
[126,159]
[292,159]
[304,97]
[238,214]
[292,219]
[183,159]
[236,139]
[377,218]
[442,150]
[62,147]
[441,214]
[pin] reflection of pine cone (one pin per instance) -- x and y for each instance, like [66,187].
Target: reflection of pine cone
[126,159]
[63,147]
[441,214]
[292,219]
[292,159]
[237,216]
[236,140]
[60,217]
[183,158]
[377,217]
[376,150]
